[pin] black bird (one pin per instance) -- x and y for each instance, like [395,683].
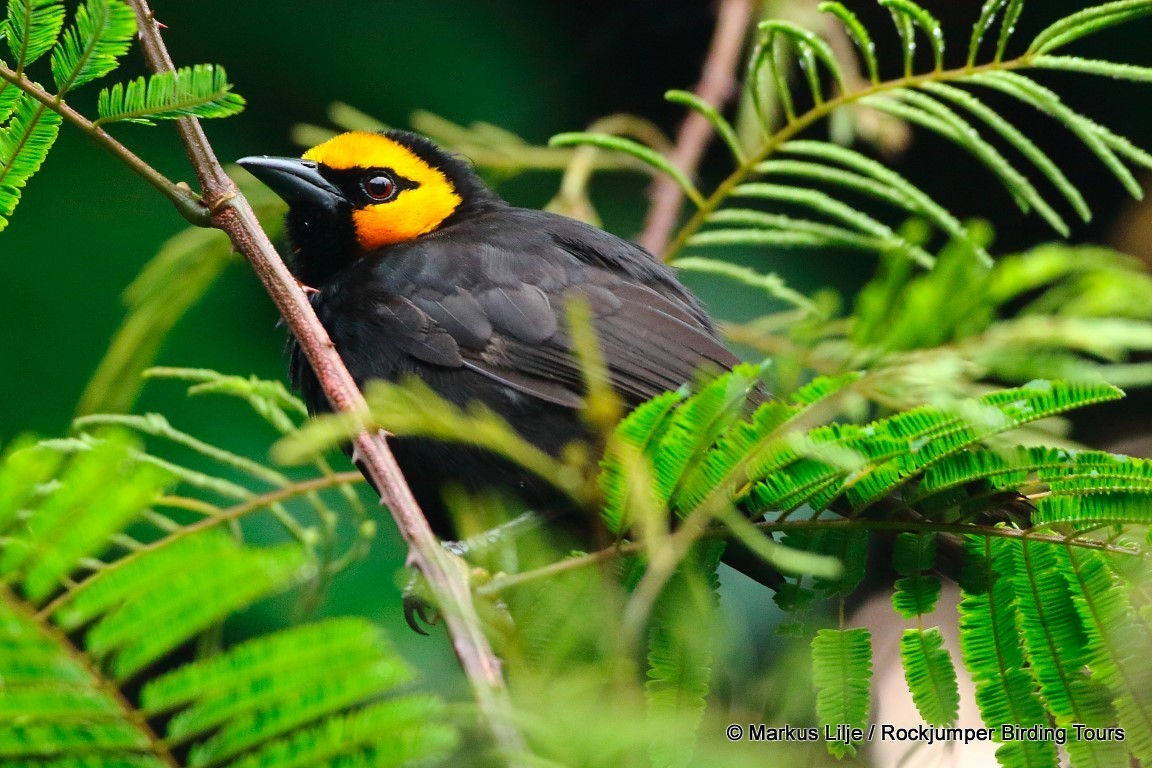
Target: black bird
[421,269]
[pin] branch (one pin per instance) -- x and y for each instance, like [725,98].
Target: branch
[717,84]
[446,576]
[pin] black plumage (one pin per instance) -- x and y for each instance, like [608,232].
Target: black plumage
[475,308]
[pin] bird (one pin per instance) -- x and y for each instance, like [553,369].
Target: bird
[416,267]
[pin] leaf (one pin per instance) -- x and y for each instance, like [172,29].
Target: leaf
[199,91]
[931,676]
[32,27]
[922,203]
[102,32]
[1017,139]
[992,652]
[1087,22]
[859,34]
[925,21]
[772,284]
[981,27]
[24,144]
[645,154]
[1045,100]
[713,116]
[842,674]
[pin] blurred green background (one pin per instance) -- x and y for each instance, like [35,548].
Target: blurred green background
[86,225]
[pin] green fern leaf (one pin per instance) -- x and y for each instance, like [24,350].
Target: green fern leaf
[926,21]
[101,34]
[1013,136]
[647,155]
[987,18]
[915,594]
[930,674]
[842,674]
[697,424]
[24,143]
[990,647]
[859,34]
[919,201]
[1057,650]
[285,696]
[1117,645]
[53,705]
[634,438]
[1087,22]
[1048,102]
[24,468]
[200,91]
[399,732]
[1008,25]
[680,653]
[32,27]
[721,125]
[833,208]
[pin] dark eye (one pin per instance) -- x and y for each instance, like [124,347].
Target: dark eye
[379,186]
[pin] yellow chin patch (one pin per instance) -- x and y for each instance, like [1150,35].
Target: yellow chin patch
[413,212]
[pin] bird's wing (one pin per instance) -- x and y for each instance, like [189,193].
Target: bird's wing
[508,322]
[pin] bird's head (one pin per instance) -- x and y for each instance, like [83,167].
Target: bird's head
[361,191]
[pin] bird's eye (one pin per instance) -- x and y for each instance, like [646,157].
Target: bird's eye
[379,187]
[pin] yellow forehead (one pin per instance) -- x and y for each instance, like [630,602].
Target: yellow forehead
[361,149]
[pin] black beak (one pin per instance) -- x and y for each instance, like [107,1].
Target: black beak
[297,181]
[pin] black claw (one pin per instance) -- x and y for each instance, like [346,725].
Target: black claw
[419,613]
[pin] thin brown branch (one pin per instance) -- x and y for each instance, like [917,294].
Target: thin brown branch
[717,84]
[447,577]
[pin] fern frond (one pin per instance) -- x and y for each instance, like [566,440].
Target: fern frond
[646,155]
[820,202]
[930,674]
[101,33]
[24,143]
[842,674]
[1057,651]
[60,707]
[992,653]
[1117,646]
[32,27]
[1087,22]
[858,33]
[723,128]
[914,14]
[249,699]
[634,438]
[199,91]
[1047,101]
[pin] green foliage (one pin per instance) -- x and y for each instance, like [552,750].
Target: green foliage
[32,27]
[101,34]
[199,91]
[885,420]
[100,586]
[24,143]
[842,674]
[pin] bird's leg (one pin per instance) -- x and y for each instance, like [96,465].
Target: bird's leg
[419,610]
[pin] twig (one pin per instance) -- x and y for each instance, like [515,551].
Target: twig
[446,577]
[717,83]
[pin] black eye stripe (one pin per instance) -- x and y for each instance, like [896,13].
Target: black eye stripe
[351,182]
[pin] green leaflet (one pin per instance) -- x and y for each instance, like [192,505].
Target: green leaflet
[1057,650]
[32,27]
[101,33]
[1117,643]
[24,143]
[992,653]
[680,652]
[930,675]
[842,673]
[199,91]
